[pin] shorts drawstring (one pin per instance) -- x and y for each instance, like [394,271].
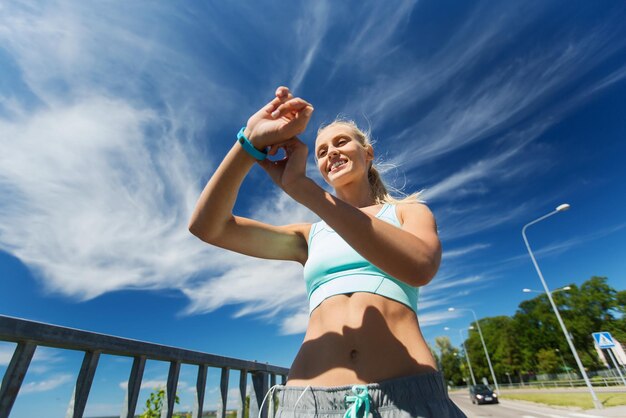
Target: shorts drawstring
[361,397]
[301,395]
[271,409]
[271,406]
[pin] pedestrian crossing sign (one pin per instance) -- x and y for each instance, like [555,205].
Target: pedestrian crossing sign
[603,339]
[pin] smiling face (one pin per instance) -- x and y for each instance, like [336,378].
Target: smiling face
[342,154]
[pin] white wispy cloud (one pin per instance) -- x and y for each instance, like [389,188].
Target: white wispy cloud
[272,286]
[558,248]
[43,360]
[449,254]
[431,319]
[310,30]
[147,384]
[371,42]
[99,409]
[89,199]
[441,285]
[6,352]
[45,385]
[152,384]
[456,227]
[296,323]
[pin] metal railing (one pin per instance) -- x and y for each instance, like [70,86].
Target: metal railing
[569,383]
[30,334]
[597,382]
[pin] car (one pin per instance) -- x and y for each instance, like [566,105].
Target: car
[481,394]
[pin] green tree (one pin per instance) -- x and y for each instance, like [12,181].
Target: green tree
[465,372]
[536,327]
[514,342]
[617,328]
[501,340]
[547,360]
[435,356]
[246,408]
[585,309]
[154,404]
[450,361]
[620,299]
[588,309]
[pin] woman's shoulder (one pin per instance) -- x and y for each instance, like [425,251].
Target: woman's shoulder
[416,208]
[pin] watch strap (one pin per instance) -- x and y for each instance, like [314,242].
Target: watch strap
[249,148]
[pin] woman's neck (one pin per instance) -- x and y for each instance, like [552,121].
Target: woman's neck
[358,195]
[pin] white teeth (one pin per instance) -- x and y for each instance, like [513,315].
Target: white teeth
[337,164]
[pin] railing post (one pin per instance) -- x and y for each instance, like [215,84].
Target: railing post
[223,391]
[134,385]
[14,376]
[271,403]
[76,408]
[200,388]
[243,383]
[259,381]
[169,400]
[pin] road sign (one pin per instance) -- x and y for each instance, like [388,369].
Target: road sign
[603,339]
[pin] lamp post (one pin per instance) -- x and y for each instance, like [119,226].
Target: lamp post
[469,364]
[493,375]
[560,289]
[560,208]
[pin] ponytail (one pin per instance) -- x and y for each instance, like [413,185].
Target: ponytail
[379,190]
[381,194]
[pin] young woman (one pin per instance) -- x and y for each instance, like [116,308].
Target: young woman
[363,263]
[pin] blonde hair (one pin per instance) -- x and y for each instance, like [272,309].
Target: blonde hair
[379,190]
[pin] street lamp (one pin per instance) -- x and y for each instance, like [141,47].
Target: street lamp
[469,364]
[560,208]
[493,375]
[526,290]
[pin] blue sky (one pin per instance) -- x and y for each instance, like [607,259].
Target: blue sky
[113,115]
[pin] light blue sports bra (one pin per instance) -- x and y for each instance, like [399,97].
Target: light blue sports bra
[335,268]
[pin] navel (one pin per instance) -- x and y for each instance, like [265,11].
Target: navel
[353,355]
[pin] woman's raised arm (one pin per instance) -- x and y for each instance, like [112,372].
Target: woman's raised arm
[212,220]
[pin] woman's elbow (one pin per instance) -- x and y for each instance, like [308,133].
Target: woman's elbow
[202,232]
[429,274]
[194,226]
[426,271]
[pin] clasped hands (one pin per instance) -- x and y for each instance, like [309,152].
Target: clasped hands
[275,126]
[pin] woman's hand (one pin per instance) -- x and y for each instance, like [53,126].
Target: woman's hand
[288,172]
[281,119]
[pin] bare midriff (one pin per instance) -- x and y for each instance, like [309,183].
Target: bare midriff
[360,338]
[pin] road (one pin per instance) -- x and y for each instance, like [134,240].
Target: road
[512,409]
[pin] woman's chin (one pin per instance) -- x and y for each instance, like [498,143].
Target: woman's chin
[338,179]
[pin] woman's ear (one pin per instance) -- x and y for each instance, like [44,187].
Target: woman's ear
[370,153]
